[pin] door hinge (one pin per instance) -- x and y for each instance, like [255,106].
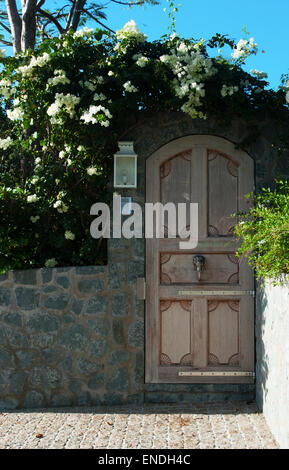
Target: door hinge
[141,288]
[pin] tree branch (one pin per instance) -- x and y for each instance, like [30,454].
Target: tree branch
[5,27]
[51,18]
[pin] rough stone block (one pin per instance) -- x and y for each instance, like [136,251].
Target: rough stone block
[63,281]
[100,326]
[119,381]
[88,286]
[99,348]
[27,298]
[75,338]
[57,301]
[136,334]
[33,399]
[45,376]
[5,296]
[28,276]
[6,359]
[120,305]
[119,356]
[42,322]
[96,305]
[12,318]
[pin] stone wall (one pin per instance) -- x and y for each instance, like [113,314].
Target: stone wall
[76,335]
[272,368]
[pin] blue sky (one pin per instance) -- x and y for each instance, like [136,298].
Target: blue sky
[266,20]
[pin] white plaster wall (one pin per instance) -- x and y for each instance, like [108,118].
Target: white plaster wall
[272,355]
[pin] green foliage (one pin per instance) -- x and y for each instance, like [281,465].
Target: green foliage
[264,232]
[68,102]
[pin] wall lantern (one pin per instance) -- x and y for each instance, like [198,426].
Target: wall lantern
[125,166]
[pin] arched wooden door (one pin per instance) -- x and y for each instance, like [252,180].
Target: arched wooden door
[200,330]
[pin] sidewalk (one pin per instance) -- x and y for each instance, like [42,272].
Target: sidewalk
[212,426]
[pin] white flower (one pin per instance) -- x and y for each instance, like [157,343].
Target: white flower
[50,263]
[61,154]
[130,31]
[34,219]
[32,198]
[63,102]
[14,114]
[95,114]
[142,61]
[244,48]
[37,161]
[99,97]
[129,87]
[91,171]
[110,73]
[5,143]
[228,90]
[83,33]
[59,78]
[69,235]
[259,74]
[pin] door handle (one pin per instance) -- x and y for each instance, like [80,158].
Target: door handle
[199,263]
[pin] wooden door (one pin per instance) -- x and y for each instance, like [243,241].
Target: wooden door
[200,330]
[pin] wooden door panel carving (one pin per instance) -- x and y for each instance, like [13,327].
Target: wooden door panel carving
[188,326]
[219,268]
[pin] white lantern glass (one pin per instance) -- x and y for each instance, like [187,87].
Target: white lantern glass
[125,166]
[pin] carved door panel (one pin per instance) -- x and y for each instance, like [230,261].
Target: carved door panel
[200,328]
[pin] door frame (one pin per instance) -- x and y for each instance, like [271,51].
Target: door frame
[153,162]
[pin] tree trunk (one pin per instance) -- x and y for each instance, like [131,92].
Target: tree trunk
[15,24]
[28,24]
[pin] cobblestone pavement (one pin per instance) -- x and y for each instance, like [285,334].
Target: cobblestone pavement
[228,426]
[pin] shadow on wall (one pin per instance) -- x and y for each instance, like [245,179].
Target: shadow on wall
[262,359]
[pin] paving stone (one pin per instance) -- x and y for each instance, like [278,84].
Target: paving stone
[120,305]
[16,383]
[206,426]
[82,270]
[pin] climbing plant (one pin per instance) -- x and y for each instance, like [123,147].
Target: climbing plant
[66,105]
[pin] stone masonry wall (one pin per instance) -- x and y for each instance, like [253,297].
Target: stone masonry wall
[272,369]
[75,335]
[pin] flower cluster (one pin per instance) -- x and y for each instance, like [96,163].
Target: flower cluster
[229,90]
[190,68]
[6,143]
[244,48]
[65,103]
[97,115]
[59,78]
